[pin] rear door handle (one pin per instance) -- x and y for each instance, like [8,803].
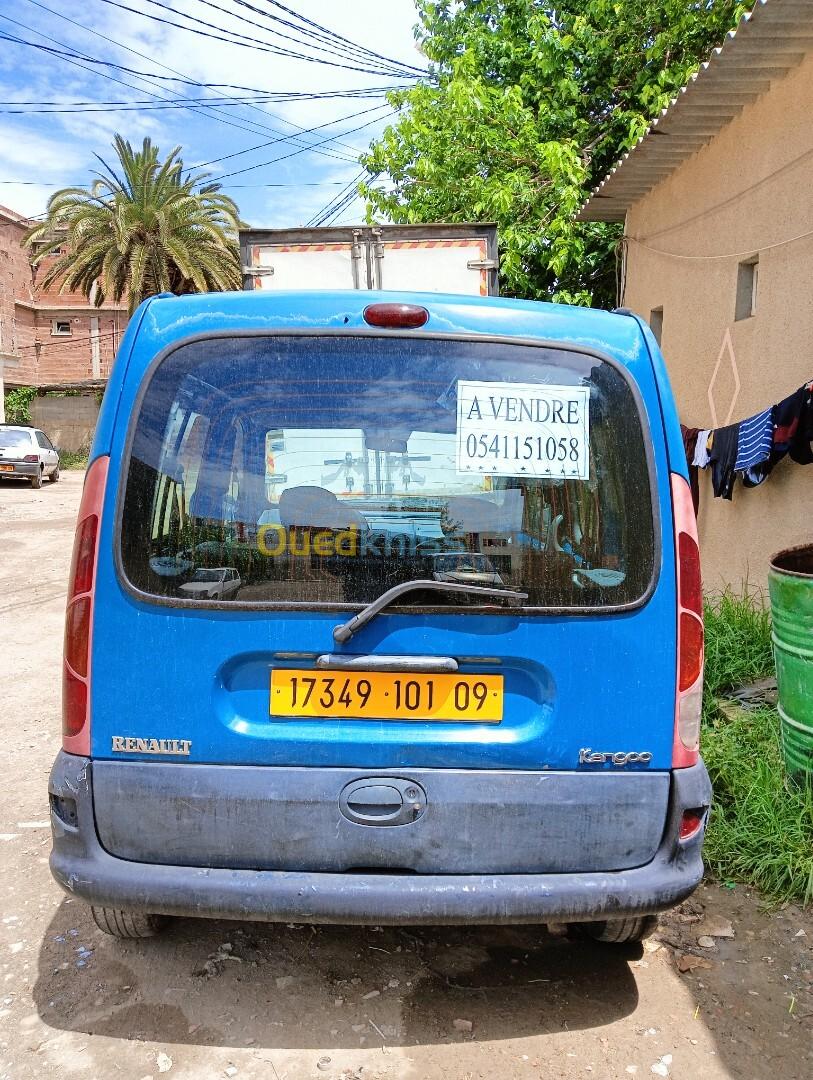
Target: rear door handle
[416,664]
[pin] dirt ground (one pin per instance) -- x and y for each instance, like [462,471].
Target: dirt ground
[215,999]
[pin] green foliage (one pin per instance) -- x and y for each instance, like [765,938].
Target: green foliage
[738,642]
[527,106]
[151,227]
[74,459]
[18,404]
[761,826]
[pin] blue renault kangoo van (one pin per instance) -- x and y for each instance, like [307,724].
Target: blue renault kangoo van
[384,608]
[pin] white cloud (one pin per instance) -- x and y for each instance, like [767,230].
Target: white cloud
[65,143]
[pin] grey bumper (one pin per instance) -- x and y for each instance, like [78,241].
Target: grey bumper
[21,468]
[85,870]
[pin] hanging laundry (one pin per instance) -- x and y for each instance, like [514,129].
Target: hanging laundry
[792,430]
[690,436]
[755,440]
[723,459]
[752,447]
[787,415]
[702,448]
[801,450]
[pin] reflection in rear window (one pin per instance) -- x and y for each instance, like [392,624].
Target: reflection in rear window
[325,470]
[14,439]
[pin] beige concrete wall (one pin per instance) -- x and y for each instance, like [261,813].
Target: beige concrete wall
[68,422]
[747,192]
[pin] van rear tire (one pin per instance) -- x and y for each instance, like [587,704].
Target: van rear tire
[618,931]
[127,924]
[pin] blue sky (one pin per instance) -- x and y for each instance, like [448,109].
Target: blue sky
[40,152]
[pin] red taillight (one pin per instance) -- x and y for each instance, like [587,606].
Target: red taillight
[691,590]
[689,688]
[691,823]
[79,614]
[84,556]
[691,650]
[77,635]
[31,457]
[403,316]
[74,708]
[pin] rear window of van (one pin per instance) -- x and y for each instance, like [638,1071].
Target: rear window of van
[322,470]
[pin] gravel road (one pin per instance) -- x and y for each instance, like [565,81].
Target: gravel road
[217,999]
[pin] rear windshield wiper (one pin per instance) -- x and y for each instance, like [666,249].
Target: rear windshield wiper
[346,630]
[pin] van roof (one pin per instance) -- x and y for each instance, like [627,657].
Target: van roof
[169,318]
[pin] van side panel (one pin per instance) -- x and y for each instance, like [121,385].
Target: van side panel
[106,422]
[671,422]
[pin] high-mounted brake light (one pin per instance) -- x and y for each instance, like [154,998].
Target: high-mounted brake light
[79,614]
[402,316]
[689,690]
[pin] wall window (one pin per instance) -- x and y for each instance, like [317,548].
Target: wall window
[61,328]
[747,281]
[656,323]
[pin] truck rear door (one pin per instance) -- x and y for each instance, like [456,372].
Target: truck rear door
[319,264]
[432,264]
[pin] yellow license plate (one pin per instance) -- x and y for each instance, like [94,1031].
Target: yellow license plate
[375,695]
[6,468]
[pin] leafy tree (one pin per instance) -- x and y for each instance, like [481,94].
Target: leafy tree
[147,228]
[527,105]
[18,404]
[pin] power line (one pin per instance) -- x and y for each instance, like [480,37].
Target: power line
[329,46]
[329,37]
[249,126]
[318,127]
[76,343]
[172,103]
[344,205]
[282,94]
[332,33]
[174,71]
[80,183]
[222,119]
[243,40]
[294,153]
[321,216]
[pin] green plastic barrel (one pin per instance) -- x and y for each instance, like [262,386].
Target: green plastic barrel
[790,583]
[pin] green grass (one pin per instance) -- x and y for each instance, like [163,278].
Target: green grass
[74,459]
[738,642]
[761,827]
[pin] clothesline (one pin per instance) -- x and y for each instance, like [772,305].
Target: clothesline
[751,448]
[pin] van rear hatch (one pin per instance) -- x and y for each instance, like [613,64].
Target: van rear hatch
[271,486]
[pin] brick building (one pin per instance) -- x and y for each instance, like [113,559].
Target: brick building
[47,338]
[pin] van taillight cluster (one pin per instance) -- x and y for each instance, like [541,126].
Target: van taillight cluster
[79,614]
[689,697]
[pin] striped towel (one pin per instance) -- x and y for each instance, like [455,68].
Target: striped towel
[755,440]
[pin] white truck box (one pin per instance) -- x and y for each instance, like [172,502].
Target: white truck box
[420,258]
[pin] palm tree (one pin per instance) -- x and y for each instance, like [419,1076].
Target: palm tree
[144,229]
